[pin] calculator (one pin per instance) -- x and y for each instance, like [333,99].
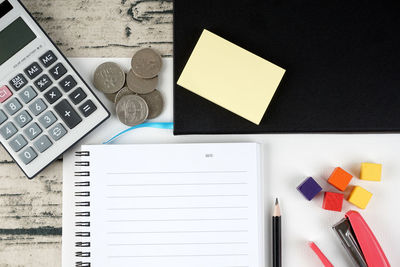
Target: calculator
[45,105]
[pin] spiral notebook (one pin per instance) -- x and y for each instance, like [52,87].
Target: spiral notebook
[164,205]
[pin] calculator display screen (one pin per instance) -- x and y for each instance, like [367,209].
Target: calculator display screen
[13,38]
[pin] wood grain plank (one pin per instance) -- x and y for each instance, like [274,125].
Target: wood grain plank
[31,210]
[106,28]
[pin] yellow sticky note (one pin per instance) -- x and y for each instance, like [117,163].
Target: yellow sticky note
[231,76]
[359,197]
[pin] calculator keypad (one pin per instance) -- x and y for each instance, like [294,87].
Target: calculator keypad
[58,71]
[28,155]
[27,94]
[12,106]
[47,119]
[52,95]
[32,129]
[68,113]
[37,107]
[77,96]
[43,143]
[33,70]
[18,82]
[43,82]
[23,119]
[57,132]
[48,59]
[18,143]
[5,94]
[8,130]
[3,117]
[68,83]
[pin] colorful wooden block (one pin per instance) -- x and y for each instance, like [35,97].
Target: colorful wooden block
[333,201]
[309,188]
[371,171]
[359,197]
[340,178]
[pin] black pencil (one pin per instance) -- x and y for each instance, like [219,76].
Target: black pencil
[276,236]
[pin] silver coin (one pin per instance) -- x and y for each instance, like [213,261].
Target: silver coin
[132,110]
[146,63]
[140,85]
[121,93]
[155,103]
[109,77]
[111,97]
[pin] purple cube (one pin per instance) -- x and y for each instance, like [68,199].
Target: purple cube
[309,188]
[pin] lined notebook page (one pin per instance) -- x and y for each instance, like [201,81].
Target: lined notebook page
[176,205]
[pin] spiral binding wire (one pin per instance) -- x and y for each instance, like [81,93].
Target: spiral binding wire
[82,223]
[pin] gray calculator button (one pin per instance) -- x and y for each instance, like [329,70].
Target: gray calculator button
[27,94]
[8,130]
[37,107]
[3,117]
[57,132]
[47,119]
[27,155]
[43,143]
[32,131]
[12,106]
[18,143]
[23,119]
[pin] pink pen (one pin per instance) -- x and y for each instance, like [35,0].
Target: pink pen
[320,255]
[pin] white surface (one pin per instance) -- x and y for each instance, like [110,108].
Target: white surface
[185,210]
[290,158]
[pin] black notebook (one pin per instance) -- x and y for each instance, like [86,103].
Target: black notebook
[342,61]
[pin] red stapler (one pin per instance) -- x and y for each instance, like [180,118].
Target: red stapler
[359,241]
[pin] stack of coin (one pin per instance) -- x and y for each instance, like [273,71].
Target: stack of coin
[134,93]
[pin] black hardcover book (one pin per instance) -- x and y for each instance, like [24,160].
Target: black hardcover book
[342,61]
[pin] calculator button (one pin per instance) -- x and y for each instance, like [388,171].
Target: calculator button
[5,93]
[57,132]
[8,130]
[87,108]
[23,119]
[27,94]
[33,70]
[77,96]
[58,71]
[27,155]
[13,106]
[47,119]
[67,113]
[18,82]
[18,143]
[43,143]
[48,58]
[37,107]
[43,82]
[33,131]
[68,83]
[53,95]
[3,117]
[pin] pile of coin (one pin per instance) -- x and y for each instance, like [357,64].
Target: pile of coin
[134,93]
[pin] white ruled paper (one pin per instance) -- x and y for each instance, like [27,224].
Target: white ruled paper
[176,205]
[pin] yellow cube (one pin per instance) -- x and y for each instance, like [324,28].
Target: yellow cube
[371,171]
[359,197]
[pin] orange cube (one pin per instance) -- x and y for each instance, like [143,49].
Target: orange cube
[340,178]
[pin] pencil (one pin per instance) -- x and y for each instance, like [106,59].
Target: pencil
[276,236]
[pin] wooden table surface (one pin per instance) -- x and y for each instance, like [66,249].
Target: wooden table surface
[31,210]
